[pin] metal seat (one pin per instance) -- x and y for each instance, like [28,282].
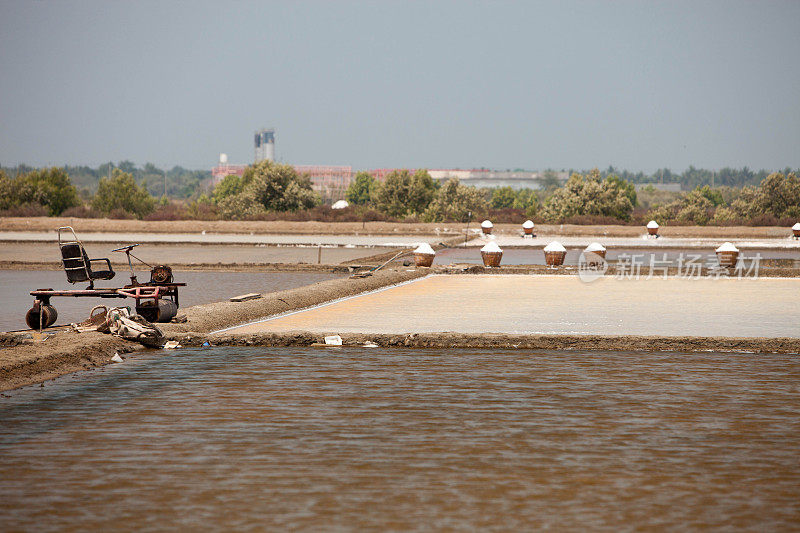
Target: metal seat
[77,264]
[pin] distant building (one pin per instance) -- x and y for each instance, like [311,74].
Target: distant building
[219,172]
[265,145]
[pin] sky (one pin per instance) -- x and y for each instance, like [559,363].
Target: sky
[535,85]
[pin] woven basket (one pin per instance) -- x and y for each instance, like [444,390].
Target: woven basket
[528,231]
[796,232]
[423,260]
[491,259]
[652,231]
[554,258]
[595,258]
[486,231]
[727,259]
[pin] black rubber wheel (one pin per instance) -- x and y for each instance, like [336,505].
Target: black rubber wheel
[49,317]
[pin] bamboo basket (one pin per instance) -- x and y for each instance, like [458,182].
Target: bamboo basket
[652,231]
[796,233]
[528,231]
[491,259]
[486,231]
[595,258]
[554,258]
[727,259]
[423,260]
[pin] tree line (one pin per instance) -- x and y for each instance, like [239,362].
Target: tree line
[269,191]
[181,183]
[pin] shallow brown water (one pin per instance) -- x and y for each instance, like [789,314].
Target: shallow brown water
[360,439]
[202,287]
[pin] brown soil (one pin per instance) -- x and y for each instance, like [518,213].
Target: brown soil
[373,228]
[500,341]
[26,361]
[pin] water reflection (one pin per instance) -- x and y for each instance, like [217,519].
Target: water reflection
[304,438]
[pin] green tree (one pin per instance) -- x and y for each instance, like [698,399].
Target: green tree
[421,191]
[391,196]
[588,195]
[454,201]
[6,191]
[268,186]
[360,189]
[279,187]
[49,187]
[229,186]
[696,207]
[122,192]
[777,195]
[503,198]
[624,185]
[528,201]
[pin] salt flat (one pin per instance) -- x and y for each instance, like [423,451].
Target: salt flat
[528,304]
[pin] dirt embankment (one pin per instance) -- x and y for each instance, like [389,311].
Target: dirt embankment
[24,361]
[64,352]
[371,228]
[502,341]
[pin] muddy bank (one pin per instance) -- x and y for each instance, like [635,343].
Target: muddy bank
[25,362]
[502,341]
[371,228]
[219,315]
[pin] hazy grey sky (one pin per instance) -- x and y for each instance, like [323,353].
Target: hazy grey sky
[639,85]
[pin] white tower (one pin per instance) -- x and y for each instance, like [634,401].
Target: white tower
[265,145]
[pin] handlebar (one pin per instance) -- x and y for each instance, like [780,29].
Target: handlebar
[125,248]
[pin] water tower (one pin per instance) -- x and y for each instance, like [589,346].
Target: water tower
[265,145]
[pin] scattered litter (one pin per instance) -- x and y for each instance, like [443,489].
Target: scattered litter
[206,344]
[180,319]
[117,358]
[333,340]
[134,328]
[370,345]
[245,297]
[171,345]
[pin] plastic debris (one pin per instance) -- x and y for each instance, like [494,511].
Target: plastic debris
[206,344]
[333,340]
[370,345]
[117,358]
[171,345]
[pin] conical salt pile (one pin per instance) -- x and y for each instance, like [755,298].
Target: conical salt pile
[527,227]
[727,255]
[423,255]
[486,227]
[652,227]
[594,254]
[796,229]
[491,254]
[554,254]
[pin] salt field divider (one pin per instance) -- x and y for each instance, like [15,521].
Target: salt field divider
[325,304]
